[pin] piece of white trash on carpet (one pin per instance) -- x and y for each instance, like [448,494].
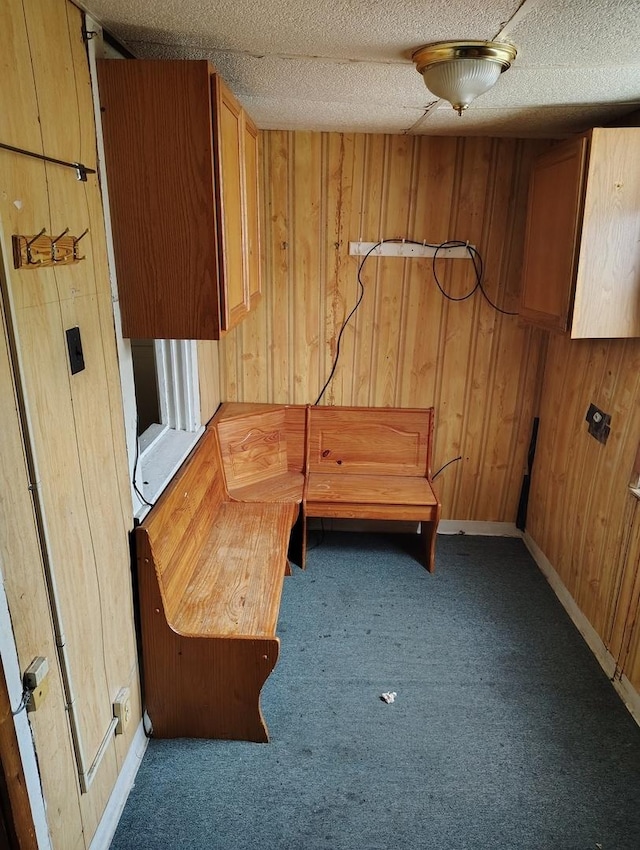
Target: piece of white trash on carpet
[388,697]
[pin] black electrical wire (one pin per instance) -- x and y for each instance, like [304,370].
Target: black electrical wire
[478,267]
[453,244]
[135,472]
[479,277]
[442,468]
[24,701]
[346,322]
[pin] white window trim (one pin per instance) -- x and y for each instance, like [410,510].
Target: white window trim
[178,386]
[164,445]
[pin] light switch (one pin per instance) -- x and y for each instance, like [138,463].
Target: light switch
[74,344]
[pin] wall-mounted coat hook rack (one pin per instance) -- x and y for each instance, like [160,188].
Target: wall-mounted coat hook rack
[39,251]
[80,169]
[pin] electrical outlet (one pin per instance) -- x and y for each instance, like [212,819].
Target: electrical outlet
[599,423]
[122,710]
[35,673]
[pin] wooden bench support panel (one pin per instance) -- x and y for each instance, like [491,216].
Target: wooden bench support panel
[201,687]
[428,536]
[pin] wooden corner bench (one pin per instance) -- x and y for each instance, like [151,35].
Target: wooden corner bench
[343,462]
[210,576]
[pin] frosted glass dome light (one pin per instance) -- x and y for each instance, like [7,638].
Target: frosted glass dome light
[460,71]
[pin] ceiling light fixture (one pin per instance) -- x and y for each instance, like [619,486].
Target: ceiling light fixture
[460,71]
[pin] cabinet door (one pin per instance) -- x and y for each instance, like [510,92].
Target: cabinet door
[228,138]
[553,231]
[156,118]
[607,302]
[252,210]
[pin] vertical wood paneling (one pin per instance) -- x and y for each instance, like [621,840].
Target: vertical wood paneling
[406,345]
[391,273]
[307,279]
[581,513]
[339,195]
[372,206]
[75,423]
[426,311]
[629,651]
[623,635]
[460,357]
[278,271]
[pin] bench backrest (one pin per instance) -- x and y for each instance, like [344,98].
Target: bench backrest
[370,440]
[262,444]
[173,531]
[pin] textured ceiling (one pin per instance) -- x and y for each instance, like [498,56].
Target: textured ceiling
[297,64]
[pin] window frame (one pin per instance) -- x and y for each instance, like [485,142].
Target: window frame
[165,444]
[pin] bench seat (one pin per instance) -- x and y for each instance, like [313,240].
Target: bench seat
[236,583]
[403,491]
[210,577]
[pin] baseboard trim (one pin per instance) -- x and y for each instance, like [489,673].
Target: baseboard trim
[124,783]
[623,686]
[629,696]
[485,529]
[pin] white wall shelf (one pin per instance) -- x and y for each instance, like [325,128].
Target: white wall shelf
[407,249]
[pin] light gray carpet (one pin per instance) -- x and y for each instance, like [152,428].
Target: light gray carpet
[505,732]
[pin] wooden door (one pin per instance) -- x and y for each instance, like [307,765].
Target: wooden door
[552,236]
[252,211]
[228,133]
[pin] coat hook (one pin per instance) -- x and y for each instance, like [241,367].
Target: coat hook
[54,247]
[75,245]
[29,243]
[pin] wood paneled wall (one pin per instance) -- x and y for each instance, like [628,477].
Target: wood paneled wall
[581,512]
[407,345]
[74,423]
[625,631]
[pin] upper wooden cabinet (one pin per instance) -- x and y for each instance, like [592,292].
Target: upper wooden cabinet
[582,249]
[183,194]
